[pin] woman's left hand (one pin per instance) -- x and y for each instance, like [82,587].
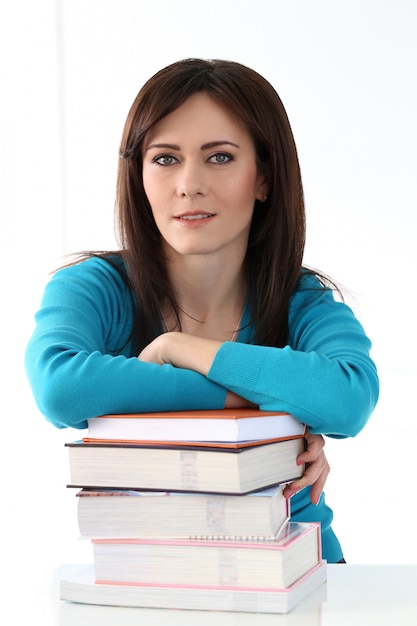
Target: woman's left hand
[317,469]
[181,350]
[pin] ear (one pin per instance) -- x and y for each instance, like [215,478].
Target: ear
[262,192]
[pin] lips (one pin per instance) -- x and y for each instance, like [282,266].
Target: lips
[196,216]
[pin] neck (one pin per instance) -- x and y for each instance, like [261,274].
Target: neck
[210,296]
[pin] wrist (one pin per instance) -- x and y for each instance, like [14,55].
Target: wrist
[190,352]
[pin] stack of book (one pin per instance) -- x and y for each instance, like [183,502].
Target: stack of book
[186,511]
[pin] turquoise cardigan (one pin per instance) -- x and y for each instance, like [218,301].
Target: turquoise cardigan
[80,364]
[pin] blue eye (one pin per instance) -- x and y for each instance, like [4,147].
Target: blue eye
[164,159]
[221,157]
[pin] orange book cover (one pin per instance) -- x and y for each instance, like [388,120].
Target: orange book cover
[233,414]
[190,444]
[223,426]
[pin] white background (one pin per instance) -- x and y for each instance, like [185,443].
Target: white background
[346,71]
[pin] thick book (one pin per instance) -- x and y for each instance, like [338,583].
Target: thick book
[235,470]
[223,425]
[308,612]
[78,585]
[240,562]
[127,514]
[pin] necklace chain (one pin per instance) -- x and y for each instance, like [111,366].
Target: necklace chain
[236,330]
[234,333]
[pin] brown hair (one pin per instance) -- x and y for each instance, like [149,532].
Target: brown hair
[277,237]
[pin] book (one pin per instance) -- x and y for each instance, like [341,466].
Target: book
[234,470]
[128,514]
[77,584]
[308,612]
[223,425]
[239,562]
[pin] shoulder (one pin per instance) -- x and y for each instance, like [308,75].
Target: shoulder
[317,306]
[90,264]
[95,277]
[310,289]
[108,268]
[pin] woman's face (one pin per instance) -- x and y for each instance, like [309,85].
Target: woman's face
[201,179]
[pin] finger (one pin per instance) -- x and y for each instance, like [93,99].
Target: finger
[315,445]
[315,475]
[318,485]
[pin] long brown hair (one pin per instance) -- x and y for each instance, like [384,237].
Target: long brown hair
[277,237]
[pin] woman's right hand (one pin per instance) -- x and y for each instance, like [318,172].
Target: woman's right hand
[234,401]
[316,472]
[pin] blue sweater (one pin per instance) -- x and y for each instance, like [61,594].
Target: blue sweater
[80,364]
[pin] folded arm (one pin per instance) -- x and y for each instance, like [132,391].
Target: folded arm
[327,380]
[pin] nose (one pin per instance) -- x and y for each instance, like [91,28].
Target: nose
[191,181]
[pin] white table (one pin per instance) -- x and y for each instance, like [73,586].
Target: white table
[354,595]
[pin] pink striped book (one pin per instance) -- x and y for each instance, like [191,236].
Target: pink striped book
[77,585]
[230,563]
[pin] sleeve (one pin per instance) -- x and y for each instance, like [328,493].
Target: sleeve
[79,361]
[324,377]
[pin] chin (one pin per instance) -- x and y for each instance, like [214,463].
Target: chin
[191,249]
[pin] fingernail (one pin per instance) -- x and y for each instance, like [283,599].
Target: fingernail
[292,492]
[317,500]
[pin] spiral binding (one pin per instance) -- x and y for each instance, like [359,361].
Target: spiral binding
[232,538]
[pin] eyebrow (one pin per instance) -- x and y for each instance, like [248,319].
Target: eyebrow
[205,146]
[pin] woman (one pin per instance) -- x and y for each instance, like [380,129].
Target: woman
[207,304]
